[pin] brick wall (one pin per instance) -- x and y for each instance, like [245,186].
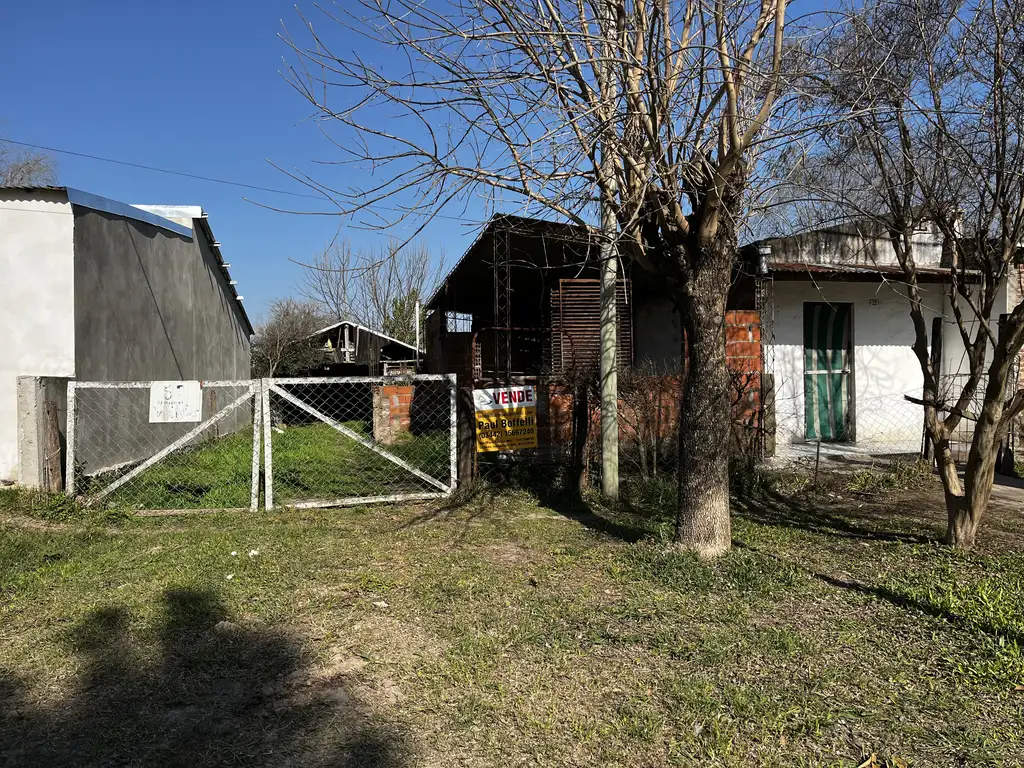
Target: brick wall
[655,402]
[392,412]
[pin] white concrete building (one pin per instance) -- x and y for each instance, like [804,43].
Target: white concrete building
[838,343]
[98,290]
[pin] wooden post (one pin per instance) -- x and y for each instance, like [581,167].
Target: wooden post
[580,433]
[467,435]
[53,478]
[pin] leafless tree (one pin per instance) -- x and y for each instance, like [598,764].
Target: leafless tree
[932,92]
[25,168]
[282,345]
[654,104]
[377,287]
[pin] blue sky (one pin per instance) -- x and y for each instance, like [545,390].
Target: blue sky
[194,87]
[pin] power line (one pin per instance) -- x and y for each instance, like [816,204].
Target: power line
[161,170]
[211,179]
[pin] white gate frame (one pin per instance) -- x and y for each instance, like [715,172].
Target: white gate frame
[252,393]
[272,385]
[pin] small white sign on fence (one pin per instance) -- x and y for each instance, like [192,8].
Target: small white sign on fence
[175,402]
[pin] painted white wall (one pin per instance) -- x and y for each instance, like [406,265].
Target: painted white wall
[884,365]
[36,301]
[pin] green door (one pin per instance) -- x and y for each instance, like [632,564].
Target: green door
[827,360]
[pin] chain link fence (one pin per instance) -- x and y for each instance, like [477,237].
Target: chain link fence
[305,442]
[339,441]
[128,449]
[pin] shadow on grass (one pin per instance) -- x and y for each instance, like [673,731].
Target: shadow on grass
[206,692]
[488,499]
[891,596]
[773,509]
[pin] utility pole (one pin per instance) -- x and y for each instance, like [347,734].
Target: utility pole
[609,355]
[609,277]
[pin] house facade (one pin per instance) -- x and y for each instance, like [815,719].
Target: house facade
[838,341]
[98,290]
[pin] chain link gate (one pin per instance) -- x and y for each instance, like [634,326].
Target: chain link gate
[129,450]
[357,440]
[321,442]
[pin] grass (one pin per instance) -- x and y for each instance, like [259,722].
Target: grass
[311,462]
[501,630]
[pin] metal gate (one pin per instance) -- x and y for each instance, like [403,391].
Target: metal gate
[164,445]
[356,440]
[319,442]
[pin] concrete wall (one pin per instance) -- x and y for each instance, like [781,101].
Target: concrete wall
[36,301]
[855,243]
[884,366]
[150,305]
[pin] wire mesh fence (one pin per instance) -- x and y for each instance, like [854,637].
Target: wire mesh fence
[337,441]
[313,442]
[154,445]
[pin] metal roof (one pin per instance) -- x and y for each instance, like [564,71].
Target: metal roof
[360,327]
[162,216]
[94,202]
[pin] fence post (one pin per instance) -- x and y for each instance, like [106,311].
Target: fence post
[268,450]
[453,425]
[256,391]
[69,470]
[465,434]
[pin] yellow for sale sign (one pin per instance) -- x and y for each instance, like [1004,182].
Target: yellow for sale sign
[506,418]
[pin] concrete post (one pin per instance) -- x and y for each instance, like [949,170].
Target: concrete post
[42,415]
[609,358]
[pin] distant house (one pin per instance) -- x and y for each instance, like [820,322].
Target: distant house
[98,290]
[351,349]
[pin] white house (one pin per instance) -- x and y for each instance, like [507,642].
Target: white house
[837,340]
[98,290]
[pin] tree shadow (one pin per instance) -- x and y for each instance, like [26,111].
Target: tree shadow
[480,501]
[773,509]
[202,691]
[893,597]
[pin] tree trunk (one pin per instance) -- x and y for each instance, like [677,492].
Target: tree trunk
[979,475]
[702,520]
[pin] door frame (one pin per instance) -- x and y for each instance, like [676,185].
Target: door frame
[851,436]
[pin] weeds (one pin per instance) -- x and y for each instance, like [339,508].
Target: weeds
[899,475]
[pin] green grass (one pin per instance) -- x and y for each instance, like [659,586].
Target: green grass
[505,631]
[311,462]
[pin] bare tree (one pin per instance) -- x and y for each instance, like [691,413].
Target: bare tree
[655,105]
[25,167]
[378,287]
[932,92]
[282,345]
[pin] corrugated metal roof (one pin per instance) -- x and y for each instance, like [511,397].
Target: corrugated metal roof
[365,329]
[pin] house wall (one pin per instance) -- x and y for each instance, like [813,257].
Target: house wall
[150,305]
[884,365]
[36,302]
